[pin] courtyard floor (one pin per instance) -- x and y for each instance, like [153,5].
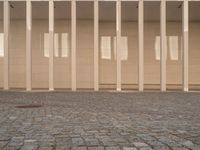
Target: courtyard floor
[99,121]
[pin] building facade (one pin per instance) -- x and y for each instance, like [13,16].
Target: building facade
[100,44]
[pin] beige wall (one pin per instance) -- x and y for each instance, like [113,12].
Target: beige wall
[1,59]
[40,63]
[194,54]
[62,66]
[17,54]
[85,54]
[85,64]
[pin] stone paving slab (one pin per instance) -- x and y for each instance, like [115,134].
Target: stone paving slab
[99,121]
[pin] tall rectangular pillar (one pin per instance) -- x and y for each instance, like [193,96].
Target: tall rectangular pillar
[118,43]
[73,54]
[96,45]
[28,44]
[6,43]
[51,45]
[163,45]
[141,44]
[185,29]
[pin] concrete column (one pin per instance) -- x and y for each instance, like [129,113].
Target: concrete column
[73,54]
[28,44]
[141,44]
[96,45]
[118,43]
[163,45]
[185,44]
[6,43]
[51,45]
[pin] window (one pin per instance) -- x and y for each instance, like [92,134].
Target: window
[106,47]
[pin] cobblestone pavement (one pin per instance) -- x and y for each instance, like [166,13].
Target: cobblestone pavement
[99,121]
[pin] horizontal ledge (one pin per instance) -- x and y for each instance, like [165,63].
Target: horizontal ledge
[94,0]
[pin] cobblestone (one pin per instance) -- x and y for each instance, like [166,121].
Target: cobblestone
[100,121]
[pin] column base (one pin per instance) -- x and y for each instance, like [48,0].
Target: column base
[185,89]
[51,89]
[119,89]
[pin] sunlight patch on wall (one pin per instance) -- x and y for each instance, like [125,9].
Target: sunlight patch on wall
[46,44]
[157,47]
[173,47]
[105,47]
[124,47]
[61,44]
[65,44]
[56,44]
[1,45]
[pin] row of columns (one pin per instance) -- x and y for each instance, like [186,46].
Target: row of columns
[96,44]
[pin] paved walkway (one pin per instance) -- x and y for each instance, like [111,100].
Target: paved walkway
[99,121]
